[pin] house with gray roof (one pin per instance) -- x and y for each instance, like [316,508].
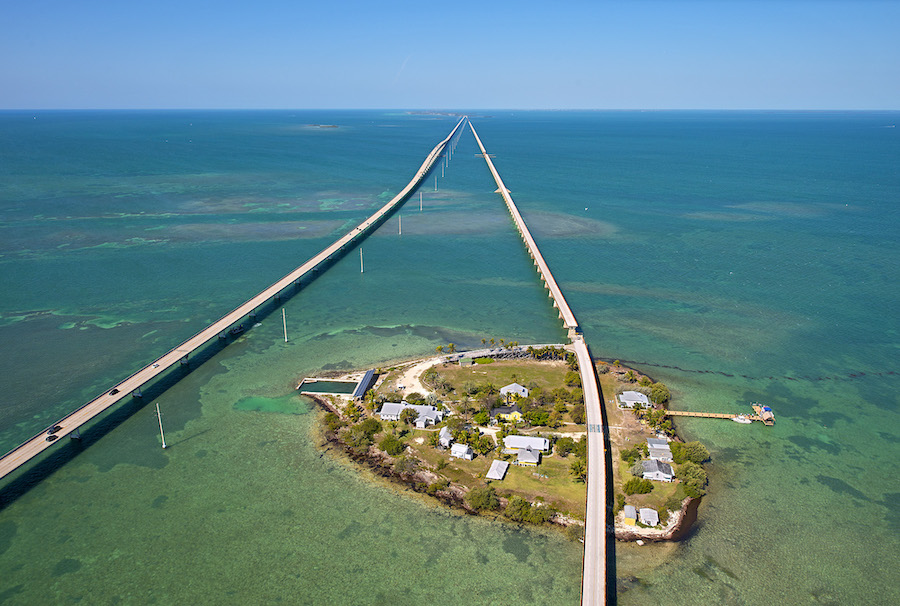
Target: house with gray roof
[428,415]
[514,389]
[497,470]
[526,442]
[657,470]
[659,450]
[528,458]
[630,515]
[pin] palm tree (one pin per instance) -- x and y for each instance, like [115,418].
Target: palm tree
[451,347]
[439,349]
[483,341]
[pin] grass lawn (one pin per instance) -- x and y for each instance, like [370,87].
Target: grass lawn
[547,374]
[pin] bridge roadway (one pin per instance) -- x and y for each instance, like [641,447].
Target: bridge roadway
[593,579]
[29,449]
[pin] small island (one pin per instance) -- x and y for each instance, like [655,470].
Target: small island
[499,432]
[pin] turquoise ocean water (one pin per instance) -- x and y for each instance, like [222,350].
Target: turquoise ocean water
[736,256]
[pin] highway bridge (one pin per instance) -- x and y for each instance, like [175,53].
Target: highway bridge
[594,571]
[179,355]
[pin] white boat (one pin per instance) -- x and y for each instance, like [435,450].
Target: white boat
[741,419]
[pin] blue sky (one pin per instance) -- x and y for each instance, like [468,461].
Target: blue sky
[628,54]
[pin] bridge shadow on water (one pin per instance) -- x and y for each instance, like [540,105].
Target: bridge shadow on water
[21,481]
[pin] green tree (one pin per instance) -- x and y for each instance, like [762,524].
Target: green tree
[630,376]
[391,444]
[451,347]
[578,414]
[483,498]
[637,486]
[370,426]
[659,393]
[572,379]
[517,509]
[620,503]
[352,411]
[409,416]
[694,478]
[631,455]
[564,446]
[482,418]
[578,469]
[695,452]
[439,349]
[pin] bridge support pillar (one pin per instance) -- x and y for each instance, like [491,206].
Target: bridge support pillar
[137,393]
[184,361]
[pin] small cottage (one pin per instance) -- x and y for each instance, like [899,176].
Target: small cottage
[497,470]
[649,517]
[628,399]
[528,457]
[445,438]
[659,450]
[509,414]
[657,470]
[462,451]
[630,515]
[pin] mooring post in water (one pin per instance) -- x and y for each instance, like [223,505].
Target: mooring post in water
[360,261]
[159,417]
[284,321]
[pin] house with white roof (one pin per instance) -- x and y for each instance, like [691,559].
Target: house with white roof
[445,438]
[462,451]
[650,517]
[627,399]
[526,442]
[514,389]
[428,415]
[657,470]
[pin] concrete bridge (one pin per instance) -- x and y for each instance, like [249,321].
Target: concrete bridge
[131,385]
[593,580]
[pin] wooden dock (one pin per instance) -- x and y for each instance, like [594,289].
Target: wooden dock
[764,417]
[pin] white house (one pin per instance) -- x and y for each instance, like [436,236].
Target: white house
[659,450]
[650,517]
[657,470]
[514,388]
[627,399]
[445,438]
[462,451]
[428,415]
[525,443]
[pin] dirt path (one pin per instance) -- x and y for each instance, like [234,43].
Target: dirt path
[411,379]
